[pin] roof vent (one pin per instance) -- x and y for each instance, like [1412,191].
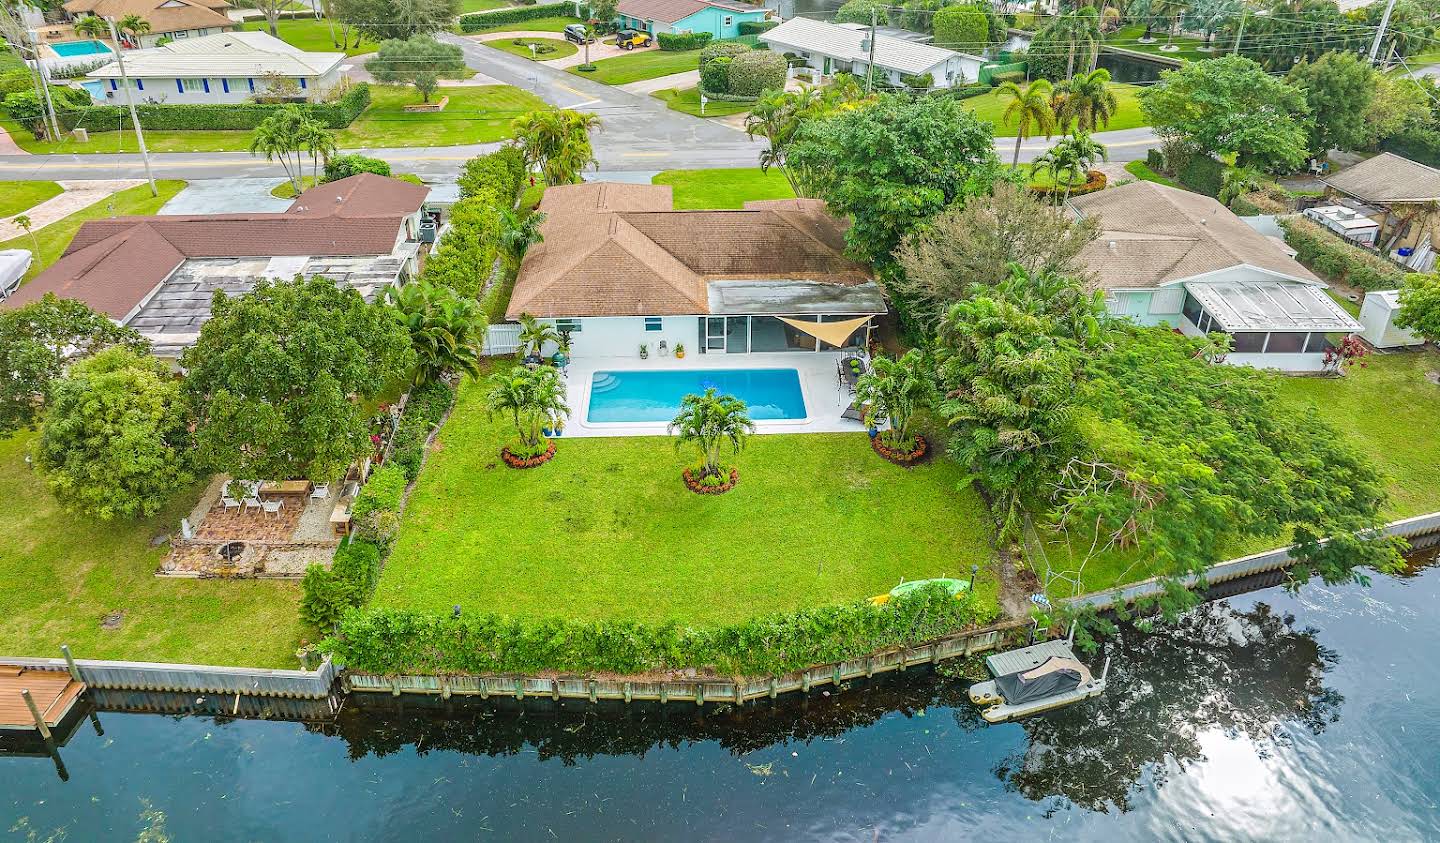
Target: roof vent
[1113,245]
[1202,220]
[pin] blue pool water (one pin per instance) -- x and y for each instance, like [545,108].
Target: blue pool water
[654,396]
[79,48]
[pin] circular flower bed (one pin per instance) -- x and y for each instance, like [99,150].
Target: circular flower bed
[527,462]
[916,454]
[695,483]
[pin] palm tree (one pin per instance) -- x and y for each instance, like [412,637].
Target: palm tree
[1074,30]
[319,142]
[712,421]
[557,142]
[1030,107]
[533,336]
[533,399]
[776,116]
[446,329]
[1235,182]
[92,26]
[134,26]
[518,232]
[1073,156]
[282,135]
[895,390]
[1086,99]
[1173,9]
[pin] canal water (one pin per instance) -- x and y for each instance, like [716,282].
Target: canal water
[1264,717]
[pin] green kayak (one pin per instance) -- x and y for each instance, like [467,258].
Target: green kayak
[952,585]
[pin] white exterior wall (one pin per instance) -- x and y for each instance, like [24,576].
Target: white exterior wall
[165,90]
[151,39]
[621,336]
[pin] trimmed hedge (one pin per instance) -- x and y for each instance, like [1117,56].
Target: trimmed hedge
[679,42]
[345,166]
[752,72]
[715,64]
[918,82]
[756,27]
[375,513]
[479,21]
[1330,257]
[405,641]
[1016,76]
[1202,174]
[495,177]
[965,29]
[989,71]
[428,404]
[182,117]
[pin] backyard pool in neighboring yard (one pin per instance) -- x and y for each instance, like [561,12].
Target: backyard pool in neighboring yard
[654,396]
[69,49]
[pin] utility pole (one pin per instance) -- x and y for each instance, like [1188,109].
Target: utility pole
[1244,15]
[870,70]
[130,101]
[54,128]
[1380,33]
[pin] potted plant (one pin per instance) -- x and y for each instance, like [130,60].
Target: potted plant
[562,350]
[679,350]
[644,351]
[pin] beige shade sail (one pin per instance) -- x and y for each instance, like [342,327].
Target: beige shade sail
[835,333]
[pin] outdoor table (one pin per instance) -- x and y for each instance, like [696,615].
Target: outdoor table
[340,518]
[285,488]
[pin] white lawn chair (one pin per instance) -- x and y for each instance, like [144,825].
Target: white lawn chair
[320,491]
[272,507]
[229,502]
[253,502]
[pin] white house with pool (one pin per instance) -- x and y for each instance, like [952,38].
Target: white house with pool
[1166,256]
[760,301]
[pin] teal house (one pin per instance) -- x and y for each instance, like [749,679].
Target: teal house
[720,18]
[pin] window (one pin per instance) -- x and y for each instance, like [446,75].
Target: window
[191,85]
[302,83]
[1191,309]
[1317,343]
[567,325]
[654,323]
[1286,344]
[1249,343]
[181,33]
[729,20]
[113,86]
[251,83]
[1206,324]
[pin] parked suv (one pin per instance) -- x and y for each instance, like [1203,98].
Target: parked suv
[629,39]
[579,33]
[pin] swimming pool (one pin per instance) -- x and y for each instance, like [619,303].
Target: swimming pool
[654,395]
[68,49]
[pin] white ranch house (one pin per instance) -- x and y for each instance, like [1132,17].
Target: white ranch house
[223,68]
[831,48]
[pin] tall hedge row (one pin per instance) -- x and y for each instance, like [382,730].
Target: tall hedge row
[243,116]
[489,20]
[1330,257]
[962,28]
[403,641]
[679,42]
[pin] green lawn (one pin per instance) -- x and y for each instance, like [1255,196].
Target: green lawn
[64,573]
[313,36]
[650,64]
[607,529]
[19,196]
[1127,112]
[468,6]
[556,24]
[53,238]
[476,114]
[1128,38]
[1142,171]
[1388,410]
[562,47]
[724,188]
[688,101]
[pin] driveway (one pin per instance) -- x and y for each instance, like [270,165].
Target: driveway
[680,81]
[77,196]
[598,50]
[228,196]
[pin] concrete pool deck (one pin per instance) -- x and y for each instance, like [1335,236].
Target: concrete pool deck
[824,399]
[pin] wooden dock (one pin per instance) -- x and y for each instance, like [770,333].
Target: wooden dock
[53,694]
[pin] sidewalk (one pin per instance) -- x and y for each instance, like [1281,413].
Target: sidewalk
[679,81]
[78,196]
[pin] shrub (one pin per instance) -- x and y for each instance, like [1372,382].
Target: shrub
[1331,257]
[1243,207]
[919,82]
[1016,76]
[345,166]
[325,595]
[755,27]
[962,28]
[715,65]
[494,178]
[1094,180]
[423,412]
[1155,160]
[182,117]
[464,257]
[755,71]
[863,12]
[489,20]
[1202,174]
[375,513]
[679,42]
[400,641]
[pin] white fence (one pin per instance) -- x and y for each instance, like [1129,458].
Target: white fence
[502,339]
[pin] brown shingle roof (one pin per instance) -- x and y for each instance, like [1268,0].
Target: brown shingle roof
[113,264]
[1152,234]
[163,17]
[1388,178]
[619,250]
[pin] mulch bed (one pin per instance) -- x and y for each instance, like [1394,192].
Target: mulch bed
[904,458]
[692,482]
[527,462]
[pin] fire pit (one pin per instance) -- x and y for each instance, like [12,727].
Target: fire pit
[231,551]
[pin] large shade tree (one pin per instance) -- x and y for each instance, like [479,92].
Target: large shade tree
[384,20]
[114,442]
[277,380]
[419,60]
[1420,306]
[1339,88]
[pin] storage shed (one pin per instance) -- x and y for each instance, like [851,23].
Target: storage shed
[1377,315]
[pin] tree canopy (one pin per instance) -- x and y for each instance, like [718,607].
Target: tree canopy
[419,60]
[114,442]
[385,20]
[1339,89]
[894,163]
[557,142]
[1420,305]
[1228,106]
[276,380]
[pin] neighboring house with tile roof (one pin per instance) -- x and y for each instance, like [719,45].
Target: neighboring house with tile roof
[158,274]
[720,18]
[227,67]
[831,48]
[175,20]
[1402,198]
[1166,256]
[618,267]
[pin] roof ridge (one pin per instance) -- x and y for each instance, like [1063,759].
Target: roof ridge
[616,222]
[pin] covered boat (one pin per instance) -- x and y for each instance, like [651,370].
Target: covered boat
[1034,679]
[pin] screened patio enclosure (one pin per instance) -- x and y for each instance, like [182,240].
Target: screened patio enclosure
[774,316]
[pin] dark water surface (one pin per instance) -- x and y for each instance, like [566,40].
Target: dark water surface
[1266,717]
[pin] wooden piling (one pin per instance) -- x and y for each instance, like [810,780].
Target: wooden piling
[35,713]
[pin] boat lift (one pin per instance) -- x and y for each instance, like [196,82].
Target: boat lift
[1036,678]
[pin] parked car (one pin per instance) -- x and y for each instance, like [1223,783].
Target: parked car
[629,39]
[579,33]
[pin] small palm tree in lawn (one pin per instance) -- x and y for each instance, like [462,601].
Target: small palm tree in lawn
[533,336]
[518,232]
[533,399]
[283,135]
[447,330]
[92,26]
[1030,108]
[134,26]
[1087,100]
[1072,156]
[894,390]
[26,225]
[320,143]
[712,421]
